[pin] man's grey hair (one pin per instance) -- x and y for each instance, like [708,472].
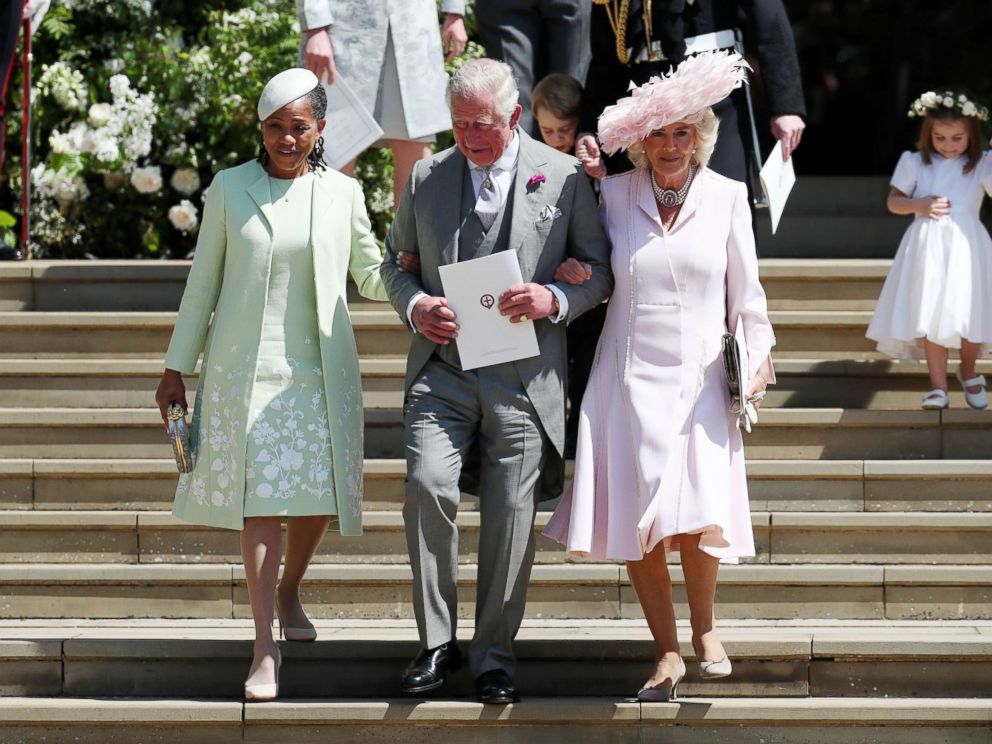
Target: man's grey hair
[485,79]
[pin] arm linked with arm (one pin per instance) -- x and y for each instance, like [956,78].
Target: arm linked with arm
[587,243]
[401,287]
[366,260]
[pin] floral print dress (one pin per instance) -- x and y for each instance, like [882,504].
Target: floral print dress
[288,465]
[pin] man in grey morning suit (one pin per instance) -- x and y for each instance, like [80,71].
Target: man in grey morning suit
[497,430]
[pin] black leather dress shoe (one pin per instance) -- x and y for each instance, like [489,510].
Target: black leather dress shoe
[496,686]
[426,672]
[8,253]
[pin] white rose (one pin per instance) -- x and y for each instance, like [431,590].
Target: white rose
[948,101]
[68,190]
[186,181]
[929,98]
[99,114]
[147,180]
[969,109]
[70,143]
[962,98]
[183,216]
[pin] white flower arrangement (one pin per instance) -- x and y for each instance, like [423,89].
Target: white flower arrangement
[62,185]
[70,143]
[186,181]
[132,117]
[147,180]
[933,100]
[183,216]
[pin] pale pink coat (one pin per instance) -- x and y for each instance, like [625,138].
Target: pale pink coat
[658,453]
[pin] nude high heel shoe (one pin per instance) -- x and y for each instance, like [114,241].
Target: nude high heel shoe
[266,690]
[713,669]
[661,694]
[306,635]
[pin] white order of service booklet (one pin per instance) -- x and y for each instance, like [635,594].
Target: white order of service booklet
[472,289]
[777,179]
[351,129]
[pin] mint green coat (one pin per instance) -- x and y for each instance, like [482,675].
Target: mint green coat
[229,278]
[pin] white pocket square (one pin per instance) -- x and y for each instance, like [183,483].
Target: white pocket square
[549,213]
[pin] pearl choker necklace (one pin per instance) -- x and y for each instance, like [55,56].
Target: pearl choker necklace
[670,197]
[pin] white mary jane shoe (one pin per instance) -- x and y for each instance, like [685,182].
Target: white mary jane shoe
[936,399]
[979,400]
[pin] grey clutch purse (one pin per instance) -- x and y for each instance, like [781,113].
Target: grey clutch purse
[179,434]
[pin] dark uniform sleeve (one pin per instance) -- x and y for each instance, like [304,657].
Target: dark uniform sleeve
[776,51]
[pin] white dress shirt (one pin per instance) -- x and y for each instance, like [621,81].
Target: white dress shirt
[502,172]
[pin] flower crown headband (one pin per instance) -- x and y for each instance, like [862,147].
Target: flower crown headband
[934,101]
[696,84]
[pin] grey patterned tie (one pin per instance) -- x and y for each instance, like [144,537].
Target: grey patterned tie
[487,204]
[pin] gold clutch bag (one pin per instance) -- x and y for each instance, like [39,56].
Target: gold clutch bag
[179,434]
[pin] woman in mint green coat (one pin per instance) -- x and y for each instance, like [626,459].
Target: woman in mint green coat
[277,430]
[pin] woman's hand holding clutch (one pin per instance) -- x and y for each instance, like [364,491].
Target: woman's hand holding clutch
[171,389]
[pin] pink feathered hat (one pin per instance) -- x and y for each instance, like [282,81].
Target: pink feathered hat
[697,83]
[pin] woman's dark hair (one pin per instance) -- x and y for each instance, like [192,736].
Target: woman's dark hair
[317,99]
[925,143]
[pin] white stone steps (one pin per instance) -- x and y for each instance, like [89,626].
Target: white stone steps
[129,286]
[378,332]
[568,591]
[129,382]
[156,537]
[782,433]
[84,658]
[580,720]
[774,485]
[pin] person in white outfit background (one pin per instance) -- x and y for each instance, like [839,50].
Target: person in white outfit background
[937,297]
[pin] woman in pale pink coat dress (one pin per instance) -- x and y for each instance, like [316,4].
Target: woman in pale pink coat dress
[660,461]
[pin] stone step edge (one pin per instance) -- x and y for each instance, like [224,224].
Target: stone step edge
[390,366]
[597,574]
[68,270]
[129,520]
[622,643]
[766,469]
[389,404]
[385,317]
[700,711]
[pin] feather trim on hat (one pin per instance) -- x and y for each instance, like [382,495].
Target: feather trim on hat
[699,82]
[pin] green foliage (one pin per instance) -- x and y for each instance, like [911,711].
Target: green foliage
[194,69]
[8,237]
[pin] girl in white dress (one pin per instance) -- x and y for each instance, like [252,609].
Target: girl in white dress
[938,294]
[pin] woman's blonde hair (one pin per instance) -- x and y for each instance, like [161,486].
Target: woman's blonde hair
[706,125]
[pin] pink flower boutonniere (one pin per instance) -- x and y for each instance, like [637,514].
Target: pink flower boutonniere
[534,181]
